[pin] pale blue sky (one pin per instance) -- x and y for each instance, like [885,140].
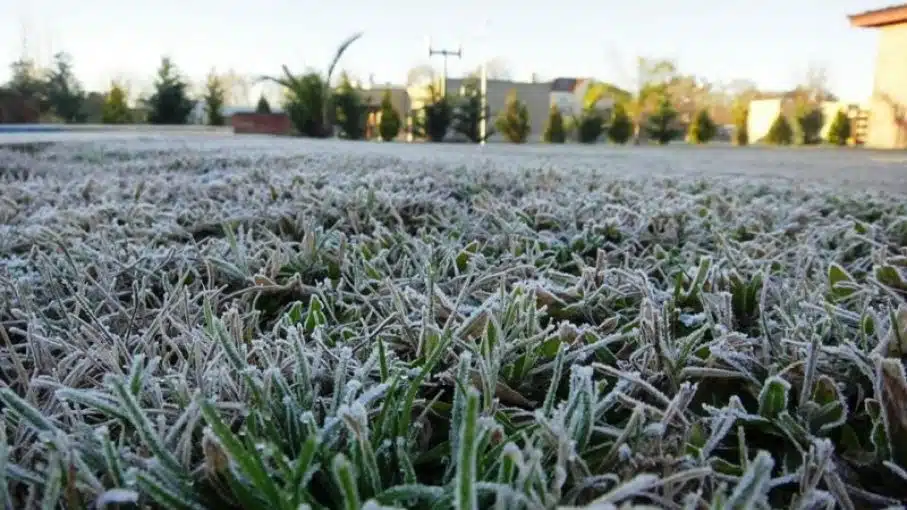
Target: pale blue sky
[771,42]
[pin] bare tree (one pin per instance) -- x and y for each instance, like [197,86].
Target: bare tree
[815,83]
[422,73]
[237,87]
[495,69]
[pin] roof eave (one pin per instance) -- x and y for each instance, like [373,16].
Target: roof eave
[894,15]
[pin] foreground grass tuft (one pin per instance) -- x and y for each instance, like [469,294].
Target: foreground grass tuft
[248,328]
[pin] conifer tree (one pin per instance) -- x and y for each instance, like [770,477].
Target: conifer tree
[115,109]
[741,113]
[554,129]
[513,121]
[389,125]
[621,128]
[263,106]
[215,97]
[839,131]
[170,103]
[660,125]
[780,132]
[702,129]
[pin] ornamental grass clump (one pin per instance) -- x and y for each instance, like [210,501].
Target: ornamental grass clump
[263,324]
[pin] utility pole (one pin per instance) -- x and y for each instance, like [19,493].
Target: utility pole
[483,92]
[445,54]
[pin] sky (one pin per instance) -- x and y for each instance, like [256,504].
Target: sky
[771,42]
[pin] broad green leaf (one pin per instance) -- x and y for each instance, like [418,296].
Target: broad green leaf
[773,397]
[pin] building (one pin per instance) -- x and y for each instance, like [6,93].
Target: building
[887,122]
[568,94]
[372,95]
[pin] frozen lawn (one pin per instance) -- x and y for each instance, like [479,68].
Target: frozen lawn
[247,322]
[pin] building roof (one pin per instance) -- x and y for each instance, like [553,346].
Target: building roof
[566,84]
[891,15]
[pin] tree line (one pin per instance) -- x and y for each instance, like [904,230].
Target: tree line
[667,105]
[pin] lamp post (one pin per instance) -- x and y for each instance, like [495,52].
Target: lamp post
[483,85]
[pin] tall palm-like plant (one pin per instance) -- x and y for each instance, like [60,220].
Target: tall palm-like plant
[309,95]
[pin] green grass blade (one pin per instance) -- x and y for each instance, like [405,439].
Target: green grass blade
[467,497]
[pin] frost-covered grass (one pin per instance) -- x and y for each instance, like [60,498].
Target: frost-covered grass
[241,324]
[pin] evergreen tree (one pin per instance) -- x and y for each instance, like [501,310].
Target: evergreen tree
[170,103]
[839,131]
[263,106]
[434,120]
[554,128]
[590,126]
[64,93]
[703,128]
[513,121]
[350,110]
[741,114]
[621,128]
[468,115]
[27,85]
[780,132]
[660,125]
[215,97]
[809,123]
[389,125]
[115,110]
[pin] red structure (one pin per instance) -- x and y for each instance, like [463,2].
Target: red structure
[261,123]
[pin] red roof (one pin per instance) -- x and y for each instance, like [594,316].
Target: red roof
[892,15]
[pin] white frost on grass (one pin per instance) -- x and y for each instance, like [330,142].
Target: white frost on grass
[111,255]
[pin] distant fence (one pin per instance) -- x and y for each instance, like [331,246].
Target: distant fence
[261,123]
[110,128]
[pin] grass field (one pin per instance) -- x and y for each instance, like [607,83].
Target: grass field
[286,324]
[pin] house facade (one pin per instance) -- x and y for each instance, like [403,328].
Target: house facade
[887,121]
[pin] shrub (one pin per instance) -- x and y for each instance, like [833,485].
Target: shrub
[621,128]
[170,103]
[263,106]
[351,110]
[115,109]
[305,104]
[467,115]
[839,131]
[309,96]
[389,125]
[660,124]
[433,120]
[780,132]
[702,129]
[555,131]
[741,113]
[809,123]
[215,96]
[589,126]
[513,121]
